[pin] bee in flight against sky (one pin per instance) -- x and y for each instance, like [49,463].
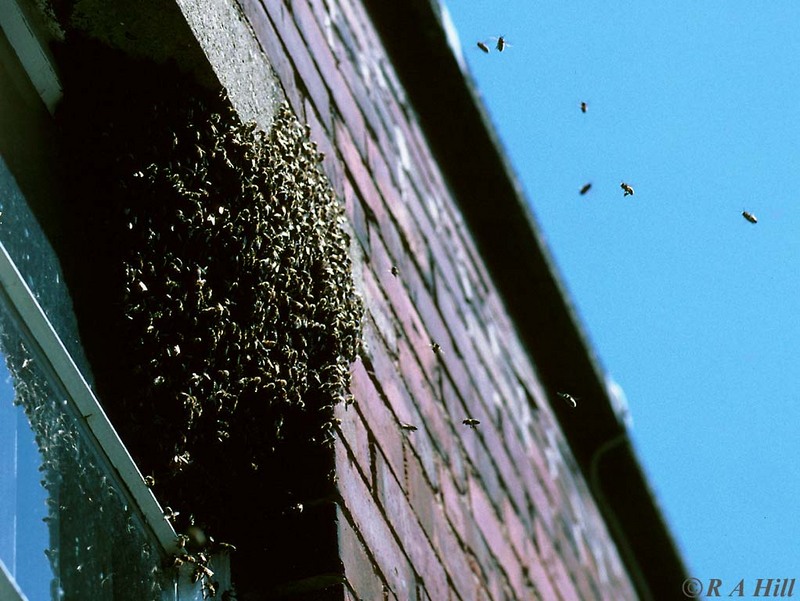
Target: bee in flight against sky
[408,427]
[501,44]
[471,422]
[584,107]
[627,189]
[568,398]
[585,189]
[483,47]
[750,217]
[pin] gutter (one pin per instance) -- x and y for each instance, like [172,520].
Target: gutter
[497,213]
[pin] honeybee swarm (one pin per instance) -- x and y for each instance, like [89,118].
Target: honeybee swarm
[232,313]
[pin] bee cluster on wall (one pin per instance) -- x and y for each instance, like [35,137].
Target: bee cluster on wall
[225,317]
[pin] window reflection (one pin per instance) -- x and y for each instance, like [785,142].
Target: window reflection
[23,511]
[67,527]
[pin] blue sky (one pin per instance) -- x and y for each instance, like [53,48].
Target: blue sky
[691,309]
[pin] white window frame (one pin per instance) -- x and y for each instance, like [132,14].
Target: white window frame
[9,591]
[36,60]
[33,55]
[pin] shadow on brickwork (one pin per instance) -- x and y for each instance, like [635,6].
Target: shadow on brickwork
[213,287]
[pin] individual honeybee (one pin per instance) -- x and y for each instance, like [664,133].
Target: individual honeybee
[627,189]
[436,348]
[226,547]
[585,188]
[394,271]
[750,217]
[483,47]
[568,398]
[408,427]
[210,589]
[471,422]
[584,107]
[501,44]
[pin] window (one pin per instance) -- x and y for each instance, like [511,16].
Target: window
[76,520]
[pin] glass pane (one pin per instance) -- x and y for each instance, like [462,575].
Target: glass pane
[67,528]
[23,530]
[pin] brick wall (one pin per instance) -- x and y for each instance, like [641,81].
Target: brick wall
[445,512]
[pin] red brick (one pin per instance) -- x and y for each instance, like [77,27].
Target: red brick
[384,372]
[379,420]
[359,569]
[356,215]
[423,540]
[421,446]
[421,494]
[541,580]
[350,16]
[409,532]
[348,147]
[454,557]
[454,504]
[371,525]
[276,53]
[492,528]
[379,310]
[353,431]
[303,62]
[518,534]
[331,165]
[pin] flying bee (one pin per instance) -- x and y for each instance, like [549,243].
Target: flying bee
[436,348]
[568,398]
[394,271]
[483,47]
[470,422]
[584,107]
[149,481]
[627,189]
[501,44]
[585,188]
[227,547]
[750,217]
[408,427]
[170,514]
